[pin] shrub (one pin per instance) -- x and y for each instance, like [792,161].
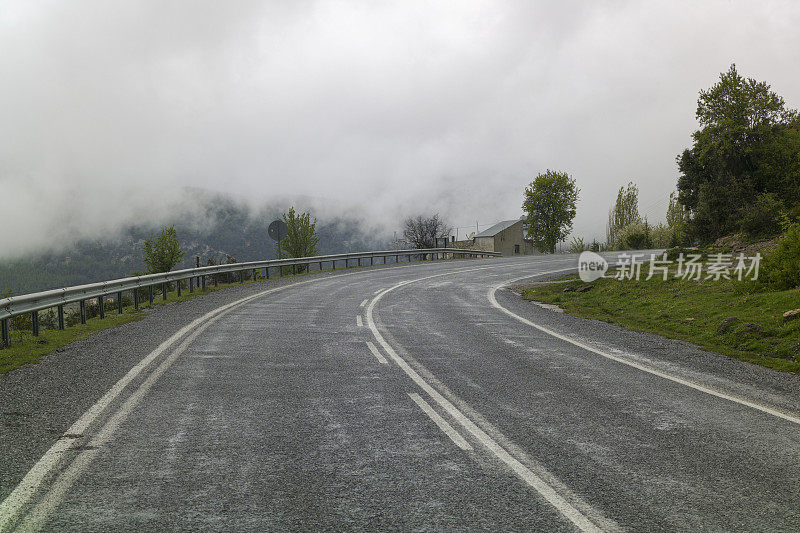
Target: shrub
[162,252]
[577,246]
[662,236]
[633,237]
[789,217]
[762,218]
[780,269]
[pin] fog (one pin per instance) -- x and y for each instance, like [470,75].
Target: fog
[109,110]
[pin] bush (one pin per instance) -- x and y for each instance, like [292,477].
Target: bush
[763,217]
[662,236]
[163,252]
[789,217]
[577,245]
[780,269]
[633,237]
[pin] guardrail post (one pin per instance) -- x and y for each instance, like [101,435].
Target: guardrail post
[82,306]
[102,305]
[136,299]
[241,276]
[255,274]
[178,285]
[266,272]
[35,323]
[150,294]
[191,284]
[294,270]
[370,260]
[203,281]
[163,291]
[61,317]
[215,280]
[4,332]
[119,302]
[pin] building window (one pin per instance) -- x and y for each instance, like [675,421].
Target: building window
[516,248]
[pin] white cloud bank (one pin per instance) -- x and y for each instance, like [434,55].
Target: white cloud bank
[109,109]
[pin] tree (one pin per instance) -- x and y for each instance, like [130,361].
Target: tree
[677,220]
[301,239]
[626,210]
[550,202]
[746,146]
[624,213]
[162,253]
[422,232]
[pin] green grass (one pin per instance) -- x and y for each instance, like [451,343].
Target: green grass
[26,349]
[691,311]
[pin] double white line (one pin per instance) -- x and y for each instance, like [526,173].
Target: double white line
[59,454]
[533,479]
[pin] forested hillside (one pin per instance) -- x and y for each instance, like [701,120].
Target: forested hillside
[218,227]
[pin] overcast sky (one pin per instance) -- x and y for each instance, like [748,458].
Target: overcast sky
[109,109]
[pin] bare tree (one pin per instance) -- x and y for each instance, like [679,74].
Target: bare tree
[422,231]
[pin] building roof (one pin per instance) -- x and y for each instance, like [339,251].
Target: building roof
[497,228]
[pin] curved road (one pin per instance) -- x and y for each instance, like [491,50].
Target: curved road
[422,397]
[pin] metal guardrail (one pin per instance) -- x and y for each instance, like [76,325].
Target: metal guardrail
[197,277]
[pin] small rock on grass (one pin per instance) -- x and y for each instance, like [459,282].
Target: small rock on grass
[791,315]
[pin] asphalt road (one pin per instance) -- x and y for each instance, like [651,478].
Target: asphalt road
[424,397]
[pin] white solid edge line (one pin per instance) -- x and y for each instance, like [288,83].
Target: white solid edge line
[11,506]
[454,435]
[24,491]
[359,322]
[381,359]
[527,475]
[35,519]
[364,302]
[638,366]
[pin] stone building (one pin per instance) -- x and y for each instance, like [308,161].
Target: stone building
[507,237]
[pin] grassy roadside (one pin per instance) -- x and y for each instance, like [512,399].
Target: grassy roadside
[691,311]
[27,349]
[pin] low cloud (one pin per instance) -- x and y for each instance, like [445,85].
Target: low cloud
[110,110]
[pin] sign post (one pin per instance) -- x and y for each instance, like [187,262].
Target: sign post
[278,230]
